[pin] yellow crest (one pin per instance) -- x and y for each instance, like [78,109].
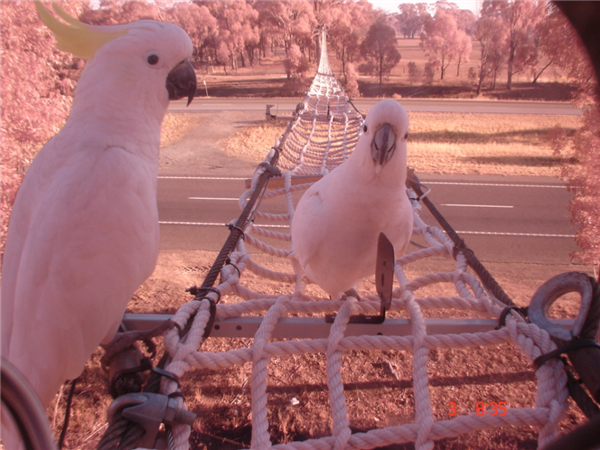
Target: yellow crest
[77,38]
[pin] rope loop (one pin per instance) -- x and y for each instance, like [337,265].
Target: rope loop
[506,311]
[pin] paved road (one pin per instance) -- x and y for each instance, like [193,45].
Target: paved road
[286,106]
[503,219]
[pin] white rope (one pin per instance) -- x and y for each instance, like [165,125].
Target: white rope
[326,127]
[463,292]
[323,135]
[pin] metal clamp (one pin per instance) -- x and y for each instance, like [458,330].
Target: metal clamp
[582,349]
[551,291]
[149,410]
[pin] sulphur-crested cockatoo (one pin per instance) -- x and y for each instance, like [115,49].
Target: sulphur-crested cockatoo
[337,222]
[84,233]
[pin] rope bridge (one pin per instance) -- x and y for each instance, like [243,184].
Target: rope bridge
[326,125]
[277,314]
[323,134]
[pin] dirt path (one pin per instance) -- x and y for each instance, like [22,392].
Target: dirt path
[198,152]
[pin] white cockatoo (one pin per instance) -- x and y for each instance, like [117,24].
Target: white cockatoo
[84,232]
[336,225]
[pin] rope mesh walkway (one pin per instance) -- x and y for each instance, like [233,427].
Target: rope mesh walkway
[467,294]
[326,125]
[323,134]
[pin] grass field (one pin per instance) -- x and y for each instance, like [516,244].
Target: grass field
[453,143]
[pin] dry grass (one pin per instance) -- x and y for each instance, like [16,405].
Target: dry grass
[253,142]
[176,126]
[453,143]
[378,385]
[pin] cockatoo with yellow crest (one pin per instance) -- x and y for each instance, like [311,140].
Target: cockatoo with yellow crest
[84,232]
[336,225]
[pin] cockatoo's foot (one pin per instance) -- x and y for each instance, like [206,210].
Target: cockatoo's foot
[351,293]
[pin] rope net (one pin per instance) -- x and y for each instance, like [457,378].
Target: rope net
[326,125]
[464,293]
[323,134]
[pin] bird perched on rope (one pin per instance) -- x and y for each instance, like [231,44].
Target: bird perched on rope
[84,232]
[337,222]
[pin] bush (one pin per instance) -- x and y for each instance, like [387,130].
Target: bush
[351,86]
[429,72]
[473,75]
[414,72]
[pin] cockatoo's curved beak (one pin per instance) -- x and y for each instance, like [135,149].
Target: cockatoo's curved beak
[383,144]
[181,82]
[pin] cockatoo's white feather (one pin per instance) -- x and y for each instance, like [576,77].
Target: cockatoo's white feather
[337,222]
[84,231]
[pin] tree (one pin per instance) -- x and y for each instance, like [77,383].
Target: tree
[379,47]
[197,21]
[441,39]
[464,45]
[347,24]
[414,72]
[294,20]
[36,91]
[237,31]
[113,12]
[563,45]
[411,19]
[491,34]
[351,84]
[297,69]
[520,17]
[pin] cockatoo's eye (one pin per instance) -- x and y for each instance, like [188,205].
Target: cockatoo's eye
[153,59]
[406,136]
[365,128]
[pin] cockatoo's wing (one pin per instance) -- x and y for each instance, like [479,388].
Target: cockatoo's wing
[81,261]
[308,223]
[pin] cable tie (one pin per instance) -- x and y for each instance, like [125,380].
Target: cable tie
[201,294]
[229,263]
[272,170]
[167,374]
[573,345]
[506,311]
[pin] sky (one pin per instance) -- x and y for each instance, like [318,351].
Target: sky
[392,5]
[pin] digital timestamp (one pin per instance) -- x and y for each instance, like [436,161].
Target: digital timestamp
[482,409]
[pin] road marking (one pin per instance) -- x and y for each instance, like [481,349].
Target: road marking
[477,206]
[457,183]
[447,183]
[494,233]
[214,198]
[489,233]
[214,224]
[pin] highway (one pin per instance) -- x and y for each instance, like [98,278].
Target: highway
[285,106]
[503,219]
